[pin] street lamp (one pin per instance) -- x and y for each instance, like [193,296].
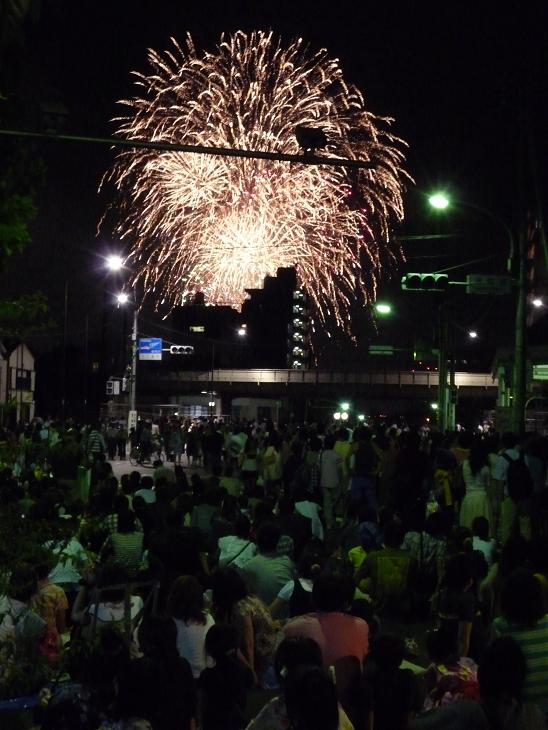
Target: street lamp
[440,201]
[337,416]
[344,416]
[473,334]
[383,308]
[115,262]
[537,302]
[122,298]
[434,406]
[345,406]
[242,331]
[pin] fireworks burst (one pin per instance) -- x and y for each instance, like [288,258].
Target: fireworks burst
[221,224]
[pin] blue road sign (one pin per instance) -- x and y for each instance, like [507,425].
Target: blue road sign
[150,348]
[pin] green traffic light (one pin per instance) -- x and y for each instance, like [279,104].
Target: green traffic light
[440,201]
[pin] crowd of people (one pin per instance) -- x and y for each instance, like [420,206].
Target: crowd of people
[266,576]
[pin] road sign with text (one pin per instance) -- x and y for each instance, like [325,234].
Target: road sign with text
[150,348]
[488,284]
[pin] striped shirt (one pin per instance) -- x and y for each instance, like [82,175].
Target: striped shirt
[534,644]
[128,549]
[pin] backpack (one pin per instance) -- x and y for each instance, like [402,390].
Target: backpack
[519,482]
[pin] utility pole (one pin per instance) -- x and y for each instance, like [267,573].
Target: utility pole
[132,416]
[519,384]
[442,367]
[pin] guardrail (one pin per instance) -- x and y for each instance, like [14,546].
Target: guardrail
[401,378]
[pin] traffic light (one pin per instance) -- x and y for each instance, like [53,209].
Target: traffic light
[181,350]
[298,330]
[425,282]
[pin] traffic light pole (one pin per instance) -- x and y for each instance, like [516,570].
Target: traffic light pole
[442,367]
[519,384]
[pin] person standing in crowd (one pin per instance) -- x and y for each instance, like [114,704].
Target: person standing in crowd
[475,472]
[363,487]
[330,479]
[95,444]
[121,441]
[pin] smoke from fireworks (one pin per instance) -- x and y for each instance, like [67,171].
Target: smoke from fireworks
[220,224]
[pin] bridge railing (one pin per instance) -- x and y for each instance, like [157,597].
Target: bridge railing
[400,378]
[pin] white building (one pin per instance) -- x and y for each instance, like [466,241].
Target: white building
[17,381]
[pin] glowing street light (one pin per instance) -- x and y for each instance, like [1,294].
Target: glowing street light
[344,416]
[122,298]
[440,201]
[434,406]
[337,416]
[383,308]
[361,417]
[115,262]
[537,302]
[242,331]
[473,334]
[345,406]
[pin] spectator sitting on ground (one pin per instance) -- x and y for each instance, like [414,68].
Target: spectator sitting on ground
[502,674]
[524,619]
[390,694]
[125,545]
[146,490]
[157,641]
[237,549]
[311,700]
[224,686]
[293,524]
[449,677]
[336,632]
[192,621]
[268,572]
[295,598]
[291,653]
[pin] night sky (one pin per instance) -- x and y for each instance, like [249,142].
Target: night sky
[463,81]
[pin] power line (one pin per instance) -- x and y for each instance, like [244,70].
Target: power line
[304,159]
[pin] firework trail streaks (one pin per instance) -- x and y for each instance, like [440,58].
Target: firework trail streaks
[220,224]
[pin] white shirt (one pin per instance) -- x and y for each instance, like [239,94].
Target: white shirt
[500,469]
[114,610]
[231,546]
[330,465]
[487,547]
[149,495]
[312,511]
[287,591]
[191,642]
[71,558]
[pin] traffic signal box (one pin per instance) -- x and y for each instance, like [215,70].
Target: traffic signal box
[425,282]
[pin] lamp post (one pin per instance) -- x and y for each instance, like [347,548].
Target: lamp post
[115,263]
[440,201]
[122,299]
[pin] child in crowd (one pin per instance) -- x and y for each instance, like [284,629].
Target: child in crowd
[391,695]
[224,687]
[481,540]
[449,677]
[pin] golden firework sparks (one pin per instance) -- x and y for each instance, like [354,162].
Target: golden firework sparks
[221,224]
